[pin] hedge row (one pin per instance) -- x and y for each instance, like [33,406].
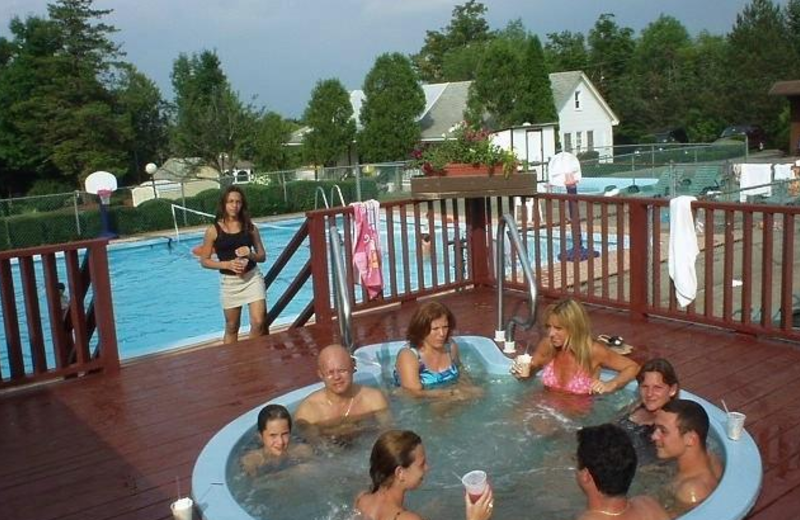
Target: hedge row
[34,229]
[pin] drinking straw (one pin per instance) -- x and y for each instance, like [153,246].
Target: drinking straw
[725,406]
[178,485]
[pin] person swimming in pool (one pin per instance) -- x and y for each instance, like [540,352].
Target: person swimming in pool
[431,360]
[274,430]
[398,464]
[341,407]
[570,359]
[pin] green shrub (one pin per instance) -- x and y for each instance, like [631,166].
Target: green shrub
[26,231]
[156,214]
[60,227]
[206,201]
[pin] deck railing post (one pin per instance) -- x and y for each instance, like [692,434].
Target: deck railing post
[639,256]
[479,250]
[319,268]
[103,307]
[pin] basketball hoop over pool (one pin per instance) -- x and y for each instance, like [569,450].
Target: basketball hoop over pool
[103,185]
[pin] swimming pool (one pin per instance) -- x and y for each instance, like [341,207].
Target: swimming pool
[163,299]
[733,498]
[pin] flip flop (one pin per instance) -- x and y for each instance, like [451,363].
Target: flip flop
[616,343]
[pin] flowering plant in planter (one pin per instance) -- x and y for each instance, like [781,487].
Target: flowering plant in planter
[465,145]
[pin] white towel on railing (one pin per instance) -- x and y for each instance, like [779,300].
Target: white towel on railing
[783,172]
[683,249]
[755,175]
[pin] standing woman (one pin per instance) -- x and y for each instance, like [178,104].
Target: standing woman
[238,246]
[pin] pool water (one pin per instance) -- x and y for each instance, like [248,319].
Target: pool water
[163,299]
[522,436]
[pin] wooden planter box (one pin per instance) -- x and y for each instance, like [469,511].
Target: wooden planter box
[473,187]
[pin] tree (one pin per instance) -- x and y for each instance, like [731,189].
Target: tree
[463,38]
[656,77]
[211,122]
[760,53]
[394,101]
[329,116]
[535,101]
[566,51]
[496,88]
[141,104]
[792,15]
[610,48]
[272,134]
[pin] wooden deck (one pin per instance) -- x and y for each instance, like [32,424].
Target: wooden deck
[111,446]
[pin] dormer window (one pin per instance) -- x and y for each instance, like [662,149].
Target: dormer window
[577,100]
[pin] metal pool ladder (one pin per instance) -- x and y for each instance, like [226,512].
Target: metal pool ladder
[506,334]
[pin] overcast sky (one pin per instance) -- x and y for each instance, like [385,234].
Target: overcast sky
[276,50]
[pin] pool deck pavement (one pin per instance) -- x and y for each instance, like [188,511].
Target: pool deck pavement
[112,446]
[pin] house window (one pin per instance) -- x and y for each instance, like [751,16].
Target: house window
[567,142]
[577,100]
[590,140]
[578,141]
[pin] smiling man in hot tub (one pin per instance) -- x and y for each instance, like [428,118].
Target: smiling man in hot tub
[339,408]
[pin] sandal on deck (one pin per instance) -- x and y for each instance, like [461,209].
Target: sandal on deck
[615,343]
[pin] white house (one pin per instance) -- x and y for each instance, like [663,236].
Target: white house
[585,121]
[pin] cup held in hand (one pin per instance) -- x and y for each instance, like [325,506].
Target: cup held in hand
[475,483]
[735,425]
[523,365]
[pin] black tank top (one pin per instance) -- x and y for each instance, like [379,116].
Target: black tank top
[227,243]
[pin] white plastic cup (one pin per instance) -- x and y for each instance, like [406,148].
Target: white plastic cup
[735,425]
[182,508]
[523,363]
[475,482]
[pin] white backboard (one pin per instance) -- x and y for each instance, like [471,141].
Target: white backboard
[100,181]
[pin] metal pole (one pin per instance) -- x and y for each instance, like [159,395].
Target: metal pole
[77,216]
[183,203]
[357,172]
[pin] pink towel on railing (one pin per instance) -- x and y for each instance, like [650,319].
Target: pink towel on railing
[367,246]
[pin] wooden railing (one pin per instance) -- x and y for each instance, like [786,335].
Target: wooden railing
[747,279]
[68,351]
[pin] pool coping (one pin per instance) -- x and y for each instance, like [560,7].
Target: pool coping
[733,499]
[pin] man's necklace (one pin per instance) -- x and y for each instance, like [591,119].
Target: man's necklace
[349,405]
[612,513]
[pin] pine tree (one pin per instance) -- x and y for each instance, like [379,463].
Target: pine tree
[394,100]
[329,115]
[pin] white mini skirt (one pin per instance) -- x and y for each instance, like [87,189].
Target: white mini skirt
[238,291]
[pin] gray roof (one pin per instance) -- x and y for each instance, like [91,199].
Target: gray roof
[178,169]
[785,88]
[445,104]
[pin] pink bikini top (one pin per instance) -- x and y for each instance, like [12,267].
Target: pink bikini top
[580,383]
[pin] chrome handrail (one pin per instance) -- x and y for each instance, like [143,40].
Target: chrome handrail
[317,192]
[340,296]
[336,189]
[507,334]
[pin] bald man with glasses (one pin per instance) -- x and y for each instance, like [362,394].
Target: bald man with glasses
[341,404]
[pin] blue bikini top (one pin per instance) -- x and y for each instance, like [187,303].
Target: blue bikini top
[427,377]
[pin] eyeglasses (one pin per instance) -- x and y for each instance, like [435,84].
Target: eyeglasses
[330,374]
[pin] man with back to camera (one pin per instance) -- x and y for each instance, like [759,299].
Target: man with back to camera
[606,467]
[335,409]
[681,430]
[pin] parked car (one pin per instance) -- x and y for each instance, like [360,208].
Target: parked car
[756,137]
[671,135]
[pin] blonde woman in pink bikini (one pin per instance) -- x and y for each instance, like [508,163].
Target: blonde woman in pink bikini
[570,360]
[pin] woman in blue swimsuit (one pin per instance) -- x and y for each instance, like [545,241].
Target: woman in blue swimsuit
[430,361]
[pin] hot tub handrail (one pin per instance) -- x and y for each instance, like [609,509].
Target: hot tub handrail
[506,334]
[336,190]
[341,299]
